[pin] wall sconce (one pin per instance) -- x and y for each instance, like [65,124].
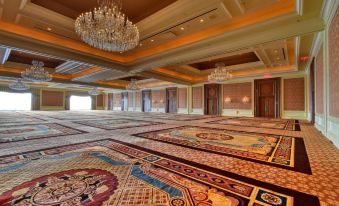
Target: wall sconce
[245,99]
[228,100]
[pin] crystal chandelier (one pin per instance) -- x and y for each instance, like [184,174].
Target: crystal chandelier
[107,28]
[220,74]
[94,92]
[18,85]
[36,73]
[133,85]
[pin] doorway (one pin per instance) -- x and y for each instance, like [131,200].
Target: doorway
[267,98]
[146,101]
[124,101]
[212,101]
[15,101]
[171,100]
[80,103]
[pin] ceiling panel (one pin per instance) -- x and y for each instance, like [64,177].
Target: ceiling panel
[135,10]
[27,58]
[229,61]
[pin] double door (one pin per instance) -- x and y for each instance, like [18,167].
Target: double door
[146,101]
[212,101]
[171,100]
[124,101]
[267,101]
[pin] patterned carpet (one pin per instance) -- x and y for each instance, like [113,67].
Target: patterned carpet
[263,148]
[130,158]
[283,124]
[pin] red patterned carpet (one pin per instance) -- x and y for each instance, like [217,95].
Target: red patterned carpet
[125,158]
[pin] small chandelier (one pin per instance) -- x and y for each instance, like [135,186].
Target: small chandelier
[94,92]
[133,85]
[36,73]
[220,74]
[18,85]
[107,28]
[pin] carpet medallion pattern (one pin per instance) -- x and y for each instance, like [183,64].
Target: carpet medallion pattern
[276,150]
[112,124]
[282,124]
[109,172]
[20,132]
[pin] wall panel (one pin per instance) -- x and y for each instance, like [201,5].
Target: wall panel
[319,83]
[236,92]
[334,66]
[197,97]
[294,94]
[52,98]
[182,97]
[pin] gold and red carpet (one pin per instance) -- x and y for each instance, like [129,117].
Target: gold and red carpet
[130,158]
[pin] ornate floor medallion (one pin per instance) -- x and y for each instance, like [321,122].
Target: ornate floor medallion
[277,150]
[112,173]
[73,187]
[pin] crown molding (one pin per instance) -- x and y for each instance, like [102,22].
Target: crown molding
[290,26]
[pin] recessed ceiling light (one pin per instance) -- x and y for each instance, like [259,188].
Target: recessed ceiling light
[182,28]
[278,58]
[152,40]
[202,20]
[49,28]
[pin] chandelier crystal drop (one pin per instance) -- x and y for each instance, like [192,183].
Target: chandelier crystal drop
[94,92]
[133,85]
[18,85]
[220,74]
[107,28]
[36,73]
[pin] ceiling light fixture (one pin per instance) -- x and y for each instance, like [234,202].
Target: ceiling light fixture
[107,28]
[152,40]
[94,91]
[182,28]
[36,73]
[201,20]
[220,73]
[18,85]
[133,85]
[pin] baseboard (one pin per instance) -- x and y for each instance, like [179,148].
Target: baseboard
[238,112]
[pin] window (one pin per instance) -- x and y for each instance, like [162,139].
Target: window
[80,103]
[15,101]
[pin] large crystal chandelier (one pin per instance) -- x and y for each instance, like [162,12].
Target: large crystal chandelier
[94,92]
[107,28]
[220,74]
[133,85]
[36,73]
[18,85]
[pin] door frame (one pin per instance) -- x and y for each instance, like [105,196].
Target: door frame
[167,98]
[142,99]
[218,96]
[277,103]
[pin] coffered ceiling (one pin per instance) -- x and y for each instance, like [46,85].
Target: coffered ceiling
[180,41]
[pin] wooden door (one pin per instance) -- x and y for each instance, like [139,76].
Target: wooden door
[124,101]
[267,101]
[171,100]
[146,101]
[212,95]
